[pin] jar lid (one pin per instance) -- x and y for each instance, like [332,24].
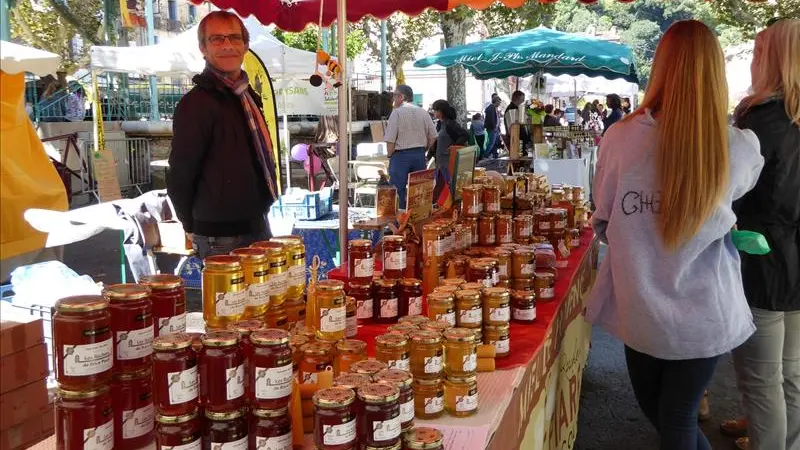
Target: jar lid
[383,282]
[398,378]
[368,366]
[351,346]
[426,337]
[288,240]
[411,282]
[178,419]
[220,338]
[302,330]
[360,285]
[428,381]
[161,281]
[78,395]
[496,292]
[417,320]
[459,335]
[523,251]
[396,446]
[269,336]
[479,263]
[391,340]
[502,329]
[359,243]
[223,262]
[144,372]
[127,291]
[334,397]
[404,327]
[245,327]
[298,340]
[378,393]
[423,438]
[504,216]
[433,226]
[524,296]
[174,341]
[330,285]
[228,415]
[524,218]
[454,281]
[251,254]
[472,286]
[82,303]
[450,289]
[500,252]
[439,325]
[316,348]
[272,248]
[395,238]
[440,296]
[543,275]
[270,413]
[352,380]
[468,294]
[469,379]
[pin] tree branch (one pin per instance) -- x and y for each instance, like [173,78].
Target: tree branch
[66,14]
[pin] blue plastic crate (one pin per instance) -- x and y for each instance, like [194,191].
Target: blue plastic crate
[300,204]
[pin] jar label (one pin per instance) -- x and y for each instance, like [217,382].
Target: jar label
[258,294]
[395,260]
[495,277]
[278,283]
[138,422]
[234,379]
[527,269]
[489,238]
[364,309]
[467,402]
[386,430]
[231,303]
[414,306]
[274,443]
[240,444]
[560,224]
[434,405]
[544,225]
[88,359]
[332,320]
[309,378]
[503,270]
[501,314]
[433,364]
[182,386]
[493,207]
[502,345]
[351,326]
[547,292]
[435,248]
[449,317]
[339,434]
[506,238]
[402,364]
[172,325]
[574,243]
[135,344]
[195,445]
[388,307]
[99,438]
[475,208]
[471,316]
[275,382]
[469,362]
[364,267]
[488,282]
[297,275]
[527,230]
[524,313]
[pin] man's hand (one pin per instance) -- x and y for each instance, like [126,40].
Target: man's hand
[389,149]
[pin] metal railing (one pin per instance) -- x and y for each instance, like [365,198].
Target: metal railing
[132,157]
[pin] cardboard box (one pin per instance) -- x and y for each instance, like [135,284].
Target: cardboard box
[172,235]
[28,432]
[21,368]
[21,404]
[19,332]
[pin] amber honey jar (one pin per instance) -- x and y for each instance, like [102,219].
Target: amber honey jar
[363,293]
[460,352]
[573,238]
[224,291]
[395,257]
[472,223]
[414,320]
[360,261]
[500,337]
[504,228]
[496,306]
[558,217]
[472,200]
[278,279]
[295,309]
[544,284]
[393,349]
[521,284]
[487,233]
[352,380]
[424,438]
[523,229]
[426,354]
[523,263]
[434,237]
[491,199]
[441,306]
[544,221]
[368,367]
[481,271]
[332,320]
[169,302]
[351,322]
[428,398]
[222,372]
[131,325]
[503,257]
[402,380]
[295,253]
[83,348]
[348,351]
[386,301]
[335,419]
[523,306]
[256,275]
[84,419]
[461,395]
[317,357]
[134,413]
[410,297]
[277,317]
[439,326]
[379,416]
[469,309]
[176,380]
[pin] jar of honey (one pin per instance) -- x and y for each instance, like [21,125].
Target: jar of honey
[352,380]
[544,221]
[278,278]
[403,328]
[224,291]
[360,261]
[544,284]
[176,380]
[350,321]
[83,348]
[277,317]
[256,275]
[368,367]
[332,322]
[393,350]
[472,286]
[295,309]
[472,222]
[521,284]
[335,419]
[461,395]
[500,337]
[226,430]
[469,309]
[523,306]
[428,398]
[270,372]
[402,380]
[460,352]
[84,419]
[457,266]
[496,306]
[558,216]
[434,243]
[495,269]
[132,326]
[414,320]
[523,229]
[481,271]
[523,263]
[447,289]
[426,354]
[386,301]
[317,356]
[503,257]
[491,200]
[364,303]
[270,429]
[487,234]
[169,302]
[295,253]
[395,257]
[471,200]
[379,419]
[177,432]
[410,298]
[441,306]
[222,375]
[348,351]
[574,238]
[424,438]
[296,342]
[439,326]
[134,413]
[505,229]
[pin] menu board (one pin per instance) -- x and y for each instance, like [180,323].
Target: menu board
[420,194]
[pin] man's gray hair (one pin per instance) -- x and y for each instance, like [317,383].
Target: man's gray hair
[408,93]
[224,16]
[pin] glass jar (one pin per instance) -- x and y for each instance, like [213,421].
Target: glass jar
[270,429]
[544,221]
[256,276]
[316,358]
[472,286]
[491,199]
[131,325]
[83,348]
[226,430]
[447,289]
[523,263]
[574,238]
[523,229]
[351,322]
[461,395]
[403,328]
[426,353]
[334,419]
[496,306]
[134,413]
[410,298]
[84,419]
[442,307]
[386,301]
[277,317]
[500,337]
[352,380]
[414,320]
[544,284]
[428,398]
[521,284]
[295,253]
[559,219]
[278,279]
[221,367]
[424,438]
[270,371]
[402,380]
[457,282]
[360,261]
[487,235]
[439,326]
[348,351]
[295,309]
[460,352]
[473,224]
[393,350]
[175,375]
[379,416]
[481,271]
[505,229]
[471,200]
[296,342]
[169,302]
[368,367]
[224,290]
[332,317]
[179,432]
[469,309]
[434,241]
[503,257]
[523,306]
[364,305]
[395,257]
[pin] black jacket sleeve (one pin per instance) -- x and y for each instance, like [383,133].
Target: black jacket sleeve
[458,135]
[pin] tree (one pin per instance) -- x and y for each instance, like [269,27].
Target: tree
[404,35]
[499,19]
[455,25]
[751,17]
[307,40]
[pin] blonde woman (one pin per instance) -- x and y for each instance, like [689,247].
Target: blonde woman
[768,364]
[670,286]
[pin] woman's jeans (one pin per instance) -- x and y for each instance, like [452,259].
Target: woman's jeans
[401,164]
[768,377]
[669,393]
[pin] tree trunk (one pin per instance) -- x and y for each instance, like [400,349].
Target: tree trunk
[399,74]
[455,27]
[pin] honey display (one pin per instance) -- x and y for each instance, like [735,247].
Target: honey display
[521,284]
[457,282]
[379,416]
[221,368]
[473,286]
[395,257]
[472,200]
[424,438]
[500,337]
[335,419]
[255,265]
[368,367]
[414,320]
[331,323]
[491,199]
[386,301]
[84,419]
[348,351]
[486,230]
[544,284]
[574,238]
[393,350]
[176,431]
[410,297]
[523,263]
[132,327]
[175,375]
[360,261]
[317,356]
[278,279]
[364,303]
[504,228]
[134,413]
[169,302]
[439,326]
[403,328]
[481,271]
[469,309]
[224,291]
[523,229]
[295,309]
[428,398]
[352,380]
[503,257]
[295,253]
[523,306]
[441,307]
[460,352]
[296,342]
[226,430]
[277,317]
[350,320]
[402,380]
[496,306]
[270,429]
[461,395]
[426,352]
[83,348]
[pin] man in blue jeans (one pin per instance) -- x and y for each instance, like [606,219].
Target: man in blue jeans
[409,132]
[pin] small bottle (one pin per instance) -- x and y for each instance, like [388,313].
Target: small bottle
[386,197]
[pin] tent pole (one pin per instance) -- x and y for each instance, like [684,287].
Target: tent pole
[344,135]
[383,55]
[151,40]
[287,145]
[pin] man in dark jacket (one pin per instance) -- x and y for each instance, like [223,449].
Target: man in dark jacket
[492,124]
[221,177]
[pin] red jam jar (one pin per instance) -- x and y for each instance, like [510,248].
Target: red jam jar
[395,256]
[175,377]
[221,367]
[334,419]
[270,372]
[360,261]
[410,303]
[180,432]
[362,292]
[270,429]
[131,325]
[169,302]
[385,306]
[134,413]
[83,348]
[379,416]
[84,419]
[226,431]
[402,380]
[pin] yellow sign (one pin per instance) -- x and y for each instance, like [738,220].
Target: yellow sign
[262,85]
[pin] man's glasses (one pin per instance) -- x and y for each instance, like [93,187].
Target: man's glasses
[219,39]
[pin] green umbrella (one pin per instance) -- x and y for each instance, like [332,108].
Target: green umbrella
[540,49]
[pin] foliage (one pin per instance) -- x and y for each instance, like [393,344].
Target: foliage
[499,19]
[404,35]
[307,40]
[749,17]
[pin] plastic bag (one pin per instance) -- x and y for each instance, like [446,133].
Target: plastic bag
[44,283]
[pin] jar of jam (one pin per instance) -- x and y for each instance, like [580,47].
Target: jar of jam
[83,348]
[270,372]
[134,413]
[395,257]
[442,307]
[523,306]
[360,261]
[460,352]
[296,342]
[410,298]
[471,200]
[224,290]
[414,320]
[351,322]
[295,253]
[469,309]
[169,302]
[295,309]
[226,430]
[352,380]
[180,432]
[428,398]
[84,419]
[175,375]
[491,200]
[256,276]
[402,380]
[334,419]
[317,356]
[523,229]
[496,306]
[481,271]
[487,235]
[368,367]
[439,326]
[379,419]
[500,337]
[504,229]
[278,279]
[332,320]
[132,325]
[503,257]
[523,263]
[386,301]
[221,367]
[521,284]
[426,354]
[270,429]
[348,351]
[461,395]
[544,220]
[393,350]
[574,238]
[364,304]
[544,284]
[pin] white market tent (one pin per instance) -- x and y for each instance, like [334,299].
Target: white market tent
[15,58]
[582,85]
